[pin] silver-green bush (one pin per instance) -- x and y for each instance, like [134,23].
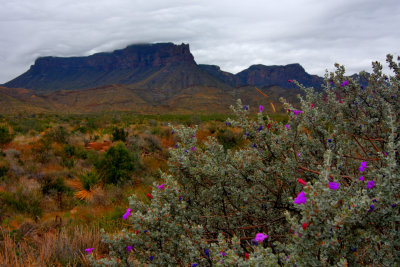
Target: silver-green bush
[324,187]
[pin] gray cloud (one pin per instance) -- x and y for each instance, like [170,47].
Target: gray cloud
[231,34]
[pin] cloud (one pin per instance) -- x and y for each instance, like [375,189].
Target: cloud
[231,34]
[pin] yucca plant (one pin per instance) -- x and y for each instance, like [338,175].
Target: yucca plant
[87,185]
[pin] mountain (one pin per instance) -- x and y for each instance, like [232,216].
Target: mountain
[147,78]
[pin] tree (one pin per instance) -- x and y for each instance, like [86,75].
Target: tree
[116,165]
[324,187]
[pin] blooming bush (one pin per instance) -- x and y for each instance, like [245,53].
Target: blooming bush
[321,190]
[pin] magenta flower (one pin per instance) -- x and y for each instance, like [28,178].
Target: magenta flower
[89,250]
[300,199]
[126,215]
[129,248]
[363,166]
[371,184]
[334,186]
[361,178]
[297,112]
[312,105]
[161,186]
[260,237]
[344,83]
[290,81]
[193,148]
[261,108]
[287,126]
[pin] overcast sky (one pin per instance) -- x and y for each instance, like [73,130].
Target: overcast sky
[231,34]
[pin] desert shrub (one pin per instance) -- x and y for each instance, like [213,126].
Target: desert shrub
[3,171]
[228,138]
[116,165]
[89,180]
[51,185]
[42,150]
[58,135]
[119,134]
[5,135]
[28,202]
[321,190]
[69,150]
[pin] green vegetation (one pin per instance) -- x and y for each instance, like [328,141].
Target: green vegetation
[5,135]
[117,165]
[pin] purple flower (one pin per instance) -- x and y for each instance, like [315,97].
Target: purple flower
[300,199]
[363,166]
[227,124]
[223,254]
[394,205]
[129,248]
[361,178]
[259,128]
[260,237]
[207,252]
[172,132]
[371,208]
[333,185]
[254,145]
[287,126]
[89,250]
[193,148]
[371,184]
[246,107]
[247,134]
[180,198]
[261,108]
[151,258]
[297,112]
[161,186]
[126,215]
[194,264]
[344,83]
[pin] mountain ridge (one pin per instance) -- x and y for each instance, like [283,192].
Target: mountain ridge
[148,78]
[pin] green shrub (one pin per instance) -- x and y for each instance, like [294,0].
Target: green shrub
[324,187]
[52,185]
[58,135]
[5,135]
[3,171]
[89,180]
[23,202]
[116,165]
[229,139]
[119,134]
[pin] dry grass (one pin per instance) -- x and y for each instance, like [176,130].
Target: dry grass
[35,245]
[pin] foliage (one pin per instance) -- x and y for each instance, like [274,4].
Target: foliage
[89,180]
[58,135]
[50,185]
[116,165]
[214,201]
[228,138]
[22,201]
[119,134]
[5,135]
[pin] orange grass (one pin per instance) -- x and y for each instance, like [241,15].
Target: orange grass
[50,247]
